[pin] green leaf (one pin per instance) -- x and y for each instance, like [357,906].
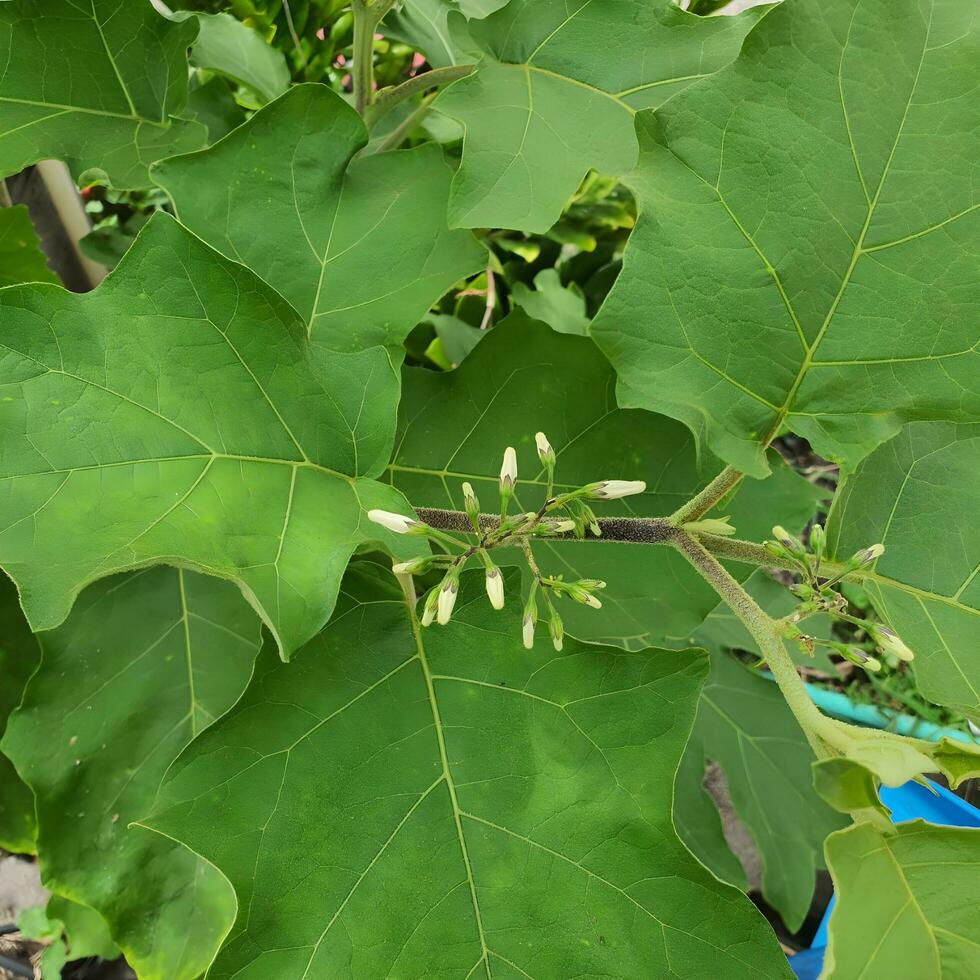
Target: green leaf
[451,849]
[524,377]
[745,726]
[808,236]
[95,85]
[917,494]
[19,656]
[86,932]
[213,105]
[154,657]
[360,250]
[179,414]
[21,259]
[556,94]
[847,786]
[458,338]
[434,27]
[903,902]
[561,307]
[229,47]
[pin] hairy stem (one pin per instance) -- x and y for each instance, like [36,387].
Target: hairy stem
[635,530]
[699,505]
[766,633]
[388,98]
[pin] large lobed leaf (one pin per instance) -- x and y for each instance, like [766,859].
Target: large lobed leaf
[449,804]
[96,84]
[555,96]
[523,377]
[361,250]
[917,494]
[808,242]
[904,906]
[179,414]
[153,658]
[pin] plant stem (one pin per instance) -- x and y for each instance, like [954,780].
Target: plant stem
[395,138]
[388,98]
[367,16]
[765,632]
[634,530]
[699,505]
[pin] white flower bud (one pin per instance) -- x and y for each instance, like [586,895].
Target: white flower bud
[447,599]
[612,489]
[868,555]
[527,631]
[495,587]
[393,522]
[891,643]
[556,527]
[546,452]
[429,609]
[508,471]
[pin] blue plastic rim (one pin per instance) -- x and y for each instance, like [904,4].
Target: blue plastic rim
[909,802]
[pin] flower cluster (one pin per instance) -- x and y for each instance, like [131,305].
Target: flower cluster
[562,514]
[819,596]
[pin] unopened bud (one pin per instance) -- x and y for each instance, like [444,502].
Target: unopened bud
[867,555]
[557,630]
[447,597]
[429,609]
[527,631]
[495,587]
[508,471]
[792,544]
[818,541]
[397,522]
[555,527]
[413,567]
[710,525]
[613,489]
[890,643]
[546,452]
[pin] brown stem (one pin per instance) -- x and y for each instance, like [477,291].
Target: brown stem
[630,530]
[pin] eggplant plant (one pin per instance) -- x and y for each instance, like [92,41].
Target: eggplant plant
[320,663]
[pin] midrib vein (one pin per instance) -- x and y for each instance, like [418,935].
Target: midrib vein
[446,773]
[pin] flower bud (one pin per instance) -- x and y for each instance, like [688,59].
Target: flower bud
[579,594]
[447,597]
[508,471]
[890,643]
[818,541]
[412,567]
[710,525]
[527,631]
[555,527]
[613,489]
[792,544]
[867,555]
[546,452]
[557,630]
[429,609]
[397,522]
[495,587]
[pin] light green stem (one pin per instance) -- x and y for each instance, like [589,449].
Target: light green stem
[388,98]
[699,505]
